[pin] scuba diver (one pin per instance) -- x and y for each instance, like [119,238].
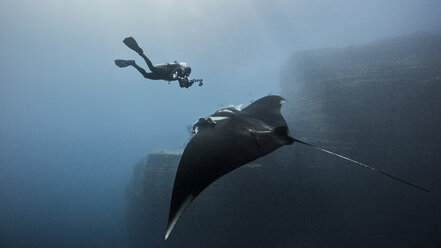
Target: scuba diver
[169,71]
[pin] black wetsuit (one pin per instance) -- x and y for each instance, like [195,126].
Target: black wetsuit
[169,71]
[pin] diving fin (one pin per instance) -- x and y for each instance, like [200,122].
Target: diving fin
[123,63]
[364,165]
[131,43]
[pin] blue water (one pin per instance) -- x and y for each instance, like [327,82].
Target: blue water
[72,124]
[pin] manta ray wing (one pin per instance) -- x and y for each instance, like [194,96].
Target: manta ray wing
[216,150]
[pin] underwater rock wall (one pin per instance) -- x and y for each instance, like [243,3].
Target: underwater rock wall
[378,103]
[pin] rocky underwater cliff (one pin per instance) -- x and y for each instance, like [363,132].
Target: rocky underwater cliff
[378,103]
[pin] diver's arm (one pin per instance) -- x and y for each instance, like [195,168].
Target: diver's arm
[192,81]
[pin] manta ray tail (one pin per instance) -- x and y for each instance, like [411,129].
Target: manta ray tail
[364,165]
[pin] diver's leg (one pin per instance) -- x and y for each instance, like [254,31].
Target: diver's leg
[148,75]
[148,62]
[131,43]
[123,63]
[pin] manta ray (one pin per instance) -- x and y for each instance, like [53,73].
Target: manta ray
[228,139]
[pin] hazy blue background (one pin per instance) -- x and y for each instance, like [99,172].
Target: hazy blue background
[72,124]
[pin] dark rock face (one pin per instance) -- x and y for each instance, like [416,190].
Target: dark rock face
[379,104]
[149,195]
